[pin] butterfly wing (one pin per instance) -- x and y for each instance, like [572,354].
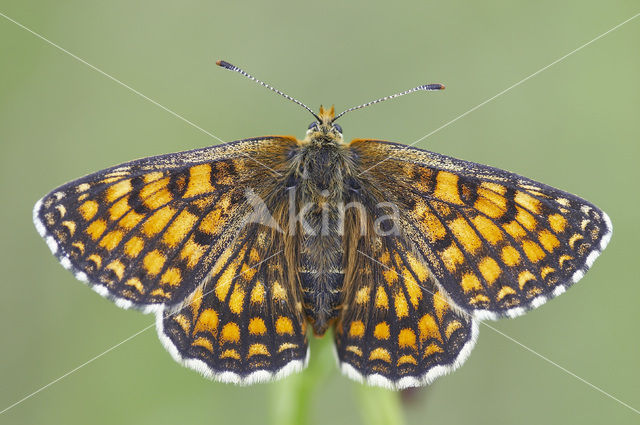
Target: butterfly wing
[177,234]
[146,233]
[245,324]
[397,329]
[497,243]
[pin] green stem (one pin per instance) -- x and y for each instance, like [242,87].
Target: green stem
[292,397]
[379,406]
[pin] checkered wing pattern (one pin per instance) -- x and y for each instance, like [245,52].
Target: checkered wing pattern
[146,233]
[497,243]
[245,324]
[169,233]
[397,329]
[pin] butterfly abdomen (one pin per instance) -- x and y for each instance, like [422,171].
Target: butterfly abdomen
[319,199]
[321,272]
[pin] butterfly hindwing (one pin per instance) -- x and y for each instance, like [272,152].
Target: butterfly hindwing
[498,243]
[397,329]
[245,324]
[147,232]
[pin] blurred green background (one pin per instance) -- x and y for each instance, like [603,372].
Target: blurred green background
[575,126]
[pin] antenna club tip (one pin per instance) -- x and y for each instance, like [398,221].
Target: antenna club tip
[430,87]
[224,64]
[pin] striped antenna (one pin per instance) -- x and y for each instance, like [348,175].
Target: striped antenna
[426,87]
[231,67]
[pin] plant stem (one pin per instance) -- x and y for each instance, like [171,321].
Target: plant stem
[379,406]
[291,397]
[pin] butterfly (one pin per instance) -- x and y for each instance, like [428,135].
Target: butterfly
[241,248]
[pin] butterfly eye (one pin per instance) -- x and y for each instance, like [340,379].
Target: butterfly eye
[338,128]
[313,125]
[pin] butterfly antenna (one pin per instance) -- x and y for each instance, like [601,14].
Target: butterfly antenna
[425,87]
[231,67]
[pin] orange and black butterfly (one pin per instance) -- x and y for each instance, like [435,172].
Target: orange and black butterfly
[238,247]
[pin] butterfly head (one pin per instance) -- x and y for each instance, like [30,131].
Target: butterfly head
[325,128]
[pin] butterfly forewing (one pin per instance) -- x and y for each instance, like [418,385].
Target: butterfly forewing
[496,242]
[147,232]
